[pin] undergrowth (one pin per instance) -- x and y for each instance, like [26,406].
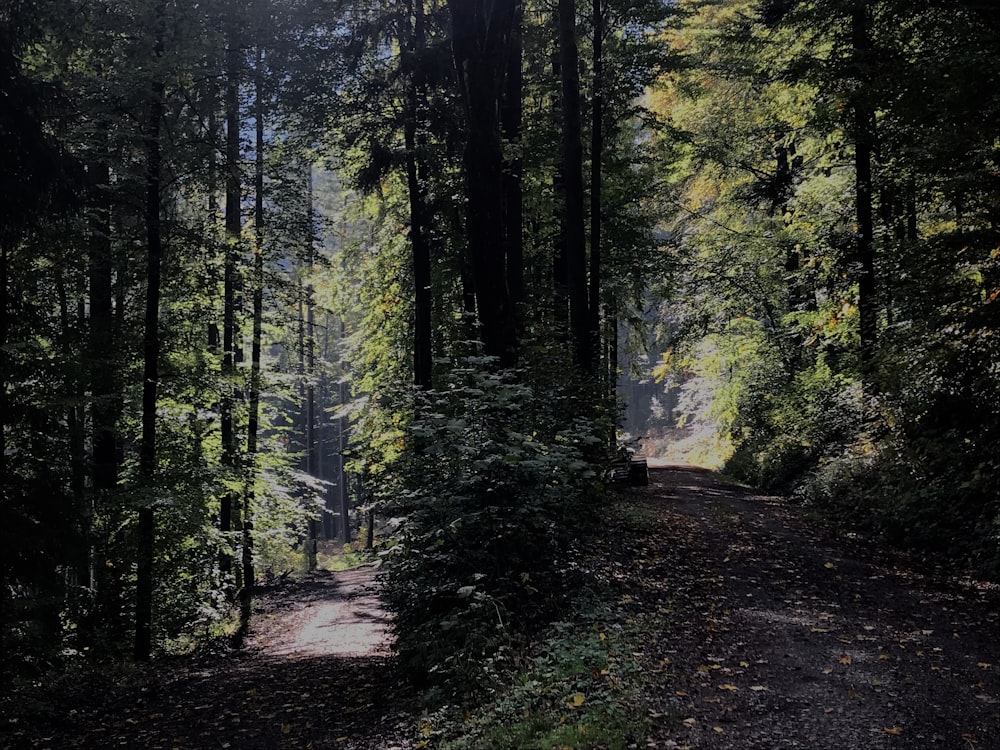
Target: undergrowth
[578,684]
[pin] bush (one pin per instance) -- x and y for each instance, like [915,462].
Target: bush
[486,499]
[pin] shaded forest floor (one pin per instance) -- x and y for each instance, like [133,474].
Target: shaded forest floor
[752,628]
[774,634]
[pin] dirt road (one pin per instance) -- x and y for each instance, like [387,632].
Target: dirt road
[775,635]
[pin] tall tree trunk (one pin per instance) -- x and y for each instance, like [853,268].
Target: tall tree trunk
[572,148]
[233,230]
[481,37]
[104,453]
[309,404]
[101,355]
[343,424]
[864,143]
[415,92]
[511,111]
[253,416]
[596,159]
[150,357]
[4,561]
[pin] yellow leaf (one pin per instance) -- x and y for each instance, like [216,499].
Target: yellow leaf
[689,722]
[745,664]
[720,730]
[827,671]
[757,688]
[422,743]
[703,668]
[681,693]
[893,730]
[845,659]
[576,700]
[426,729]
[828,565]
[983,665]
[286,728]
[728,686]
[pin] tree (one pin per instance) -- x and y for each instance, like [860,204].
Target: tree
[482,34]
[572,175]
[150,351]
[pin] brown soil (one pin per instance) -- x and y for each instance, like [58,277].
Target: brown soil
[773,634]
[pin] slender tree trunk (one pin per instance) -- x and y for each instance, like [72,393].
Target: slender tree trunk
[572,146]
[104,452]
[864,142]
[596,159]
[253,416]
[150,369]
[345,498]
[511,111]
[309,404]
[104,396]
[416,91]
[4,411]
[233,231]
[74,419]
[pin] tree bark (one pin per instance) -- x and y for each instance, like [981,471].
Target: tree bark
[150,356]
[233,231]
[511,112]
[253,416]
[104,452]
[421,257]
[596,158]
[481,36]
[309,405]
[343,424]
[864,143]
[572,148]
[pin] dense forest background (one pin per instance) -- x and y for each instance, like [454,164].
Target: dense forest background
[285,270]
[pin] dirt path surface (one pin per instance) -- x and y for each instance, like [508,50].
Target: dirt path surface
[773,635]
[329,616]
[315,673]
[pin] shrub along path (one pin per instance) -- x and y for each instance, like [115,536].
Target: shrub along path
[753,628]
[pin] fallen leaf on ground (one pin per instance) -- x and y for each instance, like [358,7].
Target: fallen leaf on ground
[893,730]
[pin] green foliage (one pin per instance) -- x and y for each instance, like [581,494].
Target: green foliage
[763,306]
[578,688]
[487,499]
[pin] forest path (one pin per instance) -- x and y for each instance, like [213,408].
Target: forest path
[772,634]
[332,614]
[315,673]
